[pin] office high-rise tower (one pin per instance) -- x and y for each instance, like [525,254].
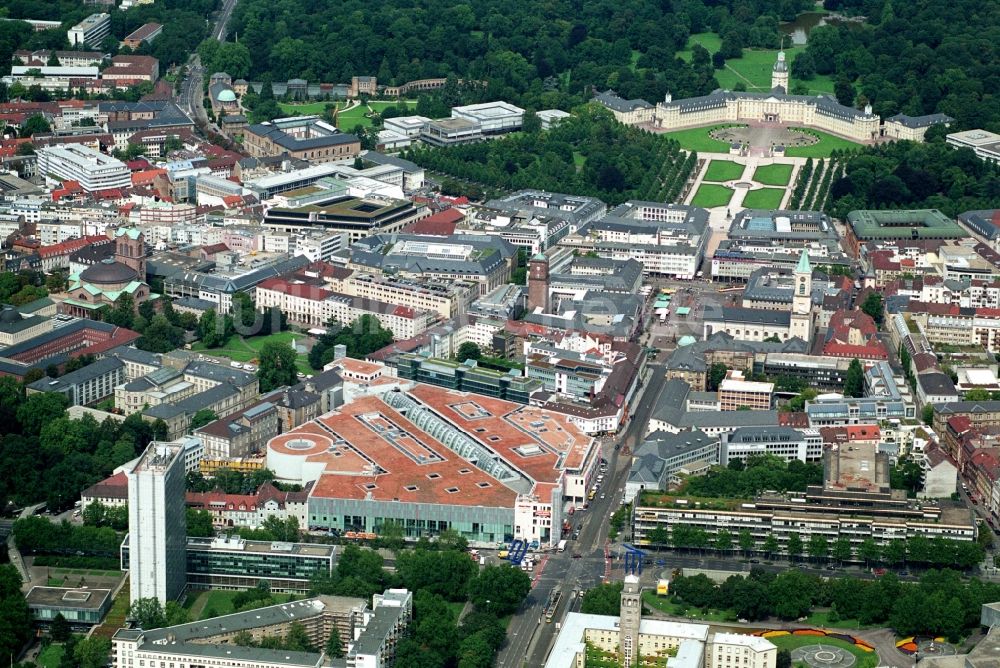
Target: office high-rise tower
[157,523]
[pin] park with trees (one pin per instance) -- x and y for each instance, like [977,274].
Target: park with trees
[47,457]
[940,603]
[589,154]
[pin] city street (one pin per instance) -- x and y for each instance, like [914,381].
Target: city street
[529,637]
[192,87]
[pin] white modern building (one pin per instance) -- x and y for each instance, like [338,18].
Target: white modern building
[91,31]
[985,144]
[493,117]
[407,126]
[92,169]
[157,523]
[805,445]
[51,78]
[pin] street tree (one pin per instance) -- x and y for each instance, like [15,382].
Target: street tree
[841,550]
[794,546]
[604,599]
[819,546]
[868,551]
[723,540]
[499,589]
[277,366]
[770,545]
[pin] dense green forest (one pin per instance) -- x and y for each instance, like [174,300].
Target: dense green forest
[538,54]
[911,59]
[917,57]
[909,175]
[589,154]
[47,457]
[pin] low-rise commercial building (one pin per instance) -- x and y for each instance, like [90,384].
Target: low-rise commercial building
[82,607]
[493,117]
[667,239]
[868,225]
[485,260]
[358,218]
[451,132]
[985,144]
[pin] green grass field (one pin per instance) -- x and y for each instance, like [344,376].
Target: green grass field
[303,109]
[827,144]
[773,175]
[765,198]
[697,139]
[710,195]
[711,41]
[348,120]
[239,349]
[51,656]
[666,605]
[723,170]
[790,642]
[219,602]
[754,68]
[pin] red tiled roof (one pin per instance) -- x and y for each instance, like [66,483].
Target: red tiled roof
[303,290]
[68,188]
[797,420]
[959,423]
[212,249]
[114,487]
[848,433]
[403,311]
[67,247]
[108,194]
[146,176]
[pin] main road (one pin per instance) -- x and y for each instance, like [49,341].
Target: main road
[529,636]
[192,87]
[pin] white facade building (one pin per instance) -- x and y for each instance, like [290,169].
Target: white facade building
[493,117]
[91,31]
[92,169]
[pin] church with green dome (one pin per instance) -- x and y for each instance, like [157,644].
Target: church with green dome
[101,284]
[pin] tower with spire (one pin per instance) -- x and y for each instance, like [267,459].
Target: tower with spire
[801,324]
[779,74]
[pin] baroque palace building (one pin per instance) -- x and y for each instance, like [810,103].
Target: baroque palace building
[822,112]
